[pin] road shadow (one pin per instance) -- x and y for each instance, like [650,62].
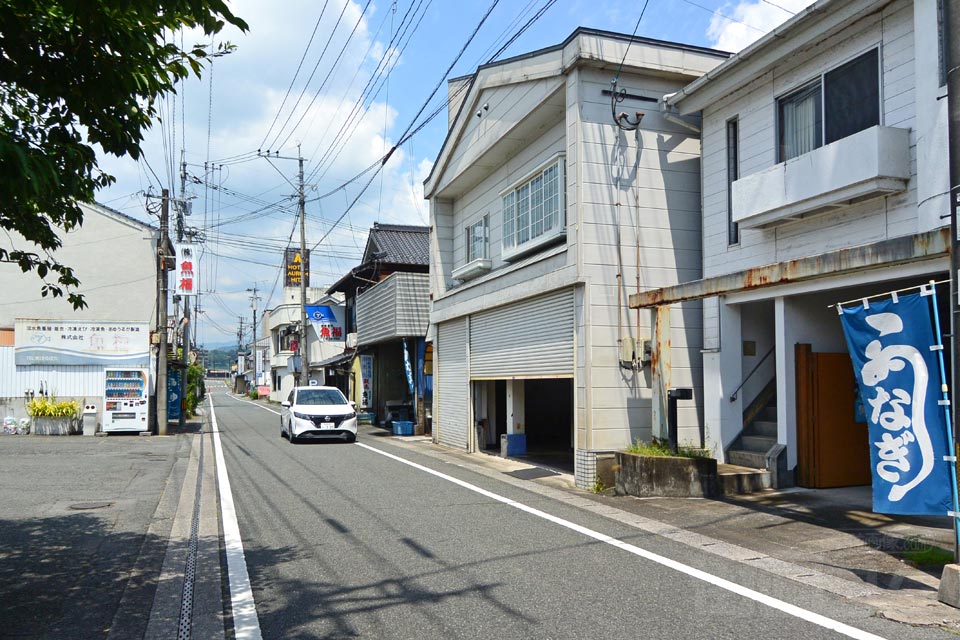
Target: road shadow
[71,576]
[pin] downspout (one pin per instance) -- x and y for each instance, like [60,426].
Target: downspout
[670,115]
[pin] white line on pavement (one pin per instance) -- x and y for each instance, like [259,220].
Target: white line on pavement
[733,587]
[245,622]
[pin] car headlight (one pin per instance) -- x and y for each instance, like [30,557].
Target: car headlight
[350,416]
[302,416]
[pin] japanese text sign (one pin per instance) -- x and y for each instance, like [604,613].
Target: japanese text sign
[186,272]
[898,376]
[327,321]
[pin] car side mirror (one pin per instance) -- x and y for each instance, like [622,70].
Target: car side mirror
[285,404]
[353,404]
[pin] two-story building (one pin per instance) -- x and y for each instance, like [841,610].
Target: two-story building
[387,317]
[282,325]
[824,181]
[549,206]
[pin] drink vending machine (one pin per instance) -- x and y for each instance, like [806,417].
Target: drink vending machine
[126,401]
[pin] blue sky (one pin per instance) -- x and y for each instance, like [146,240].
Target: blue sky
[227,116]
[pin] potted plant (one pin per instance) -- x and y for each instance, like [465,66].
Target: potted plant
[653,470]
[52,417]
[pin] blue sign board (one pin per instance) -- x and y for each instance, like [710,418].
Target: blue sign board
[174,394]
[893,349]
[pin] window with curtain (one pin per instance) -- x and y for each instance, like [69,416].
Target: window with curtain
[844,101]
[533,211]
[801,128]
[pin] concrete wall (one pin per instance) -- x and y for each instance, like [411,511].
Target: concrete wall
[112,256]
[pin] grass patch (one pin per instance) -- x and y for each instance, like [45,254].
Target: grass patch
[928,556]
[658,448]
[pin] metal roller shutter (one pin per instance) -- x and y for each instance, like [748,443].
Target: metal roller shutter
[530,339]
[452,384]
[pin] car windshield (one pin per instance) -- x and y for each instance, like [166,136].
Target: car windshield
[320,396]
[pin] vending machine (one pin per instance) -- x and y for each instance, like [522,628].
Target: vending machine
[126,400]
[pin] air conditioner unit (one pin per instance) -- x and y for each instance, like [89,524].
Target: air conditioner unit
[351,341]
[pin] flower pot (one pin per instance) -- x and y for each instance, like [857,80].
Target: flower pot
[54,426]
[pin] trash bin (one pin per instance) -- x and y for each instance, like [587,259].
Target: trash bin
[90,420]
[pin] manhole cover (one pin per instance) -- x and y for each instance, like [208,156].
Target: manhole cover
[86,506]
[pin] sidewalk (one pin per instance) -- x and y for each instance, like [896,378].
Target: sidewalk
[829,539]
[85,528]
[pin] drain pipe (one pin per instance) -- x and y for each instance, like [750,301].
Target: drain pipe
[671,115]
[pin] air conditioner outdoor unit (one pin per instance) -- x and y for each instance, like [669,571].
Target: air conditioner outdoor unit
[351,341]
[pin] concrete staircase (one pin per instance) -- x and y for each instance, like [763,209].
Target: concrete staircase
[747,456]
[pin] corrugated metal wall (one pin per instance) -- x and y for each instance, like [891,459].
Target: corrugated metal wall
[530,339]
[413,303]
[61,381]
[397,307]
[452,384]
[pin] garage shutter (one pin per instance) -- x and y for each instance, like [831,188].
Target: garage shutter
[452,384]
[530,339]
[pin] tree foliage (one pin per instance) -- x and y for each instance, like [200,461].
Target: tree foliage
[75,75]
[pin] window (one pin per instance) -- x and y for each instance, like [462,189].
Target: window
[844,101]
[533,211]
[476,237]
[733,174]
[320,397]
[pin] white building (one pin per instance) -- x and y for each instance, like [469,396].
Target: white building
[545,215]
[114,257]
[282,324]
[824,180]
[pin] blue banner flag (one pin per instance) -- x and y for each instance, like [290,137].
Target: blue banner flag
[897,373]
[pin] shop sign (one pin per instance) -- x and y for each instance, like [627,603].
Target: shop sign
[188,266]
[294,266]
[328,321]
[366,377]
[68,342]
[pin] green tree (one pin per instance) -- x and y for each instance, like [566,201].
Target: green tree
[75,75]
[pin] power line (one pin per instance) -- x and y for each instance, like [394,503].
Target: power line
[295,73]
[725,17]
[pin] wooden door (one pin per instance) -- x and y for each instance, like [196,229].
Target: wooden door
[834,449]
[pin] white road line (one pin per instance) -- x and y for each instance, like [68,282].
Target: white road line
[756,596]
[254,404]
[245,622]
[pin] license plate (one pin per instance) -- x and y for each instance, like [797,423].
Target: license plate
[327,425]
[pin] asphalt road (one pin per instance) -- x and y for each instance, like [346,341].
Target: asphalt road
[342,541]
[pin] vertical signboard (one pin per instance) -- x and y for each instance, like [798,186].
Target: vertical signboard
[187,268]
[296,265]
[366,378]
[174,394]
[893,350]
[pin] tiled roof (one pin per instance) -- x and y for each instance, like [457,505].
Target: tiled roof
[398,244]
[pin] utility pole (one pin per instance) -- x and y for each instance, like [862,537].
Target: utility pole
[185,327]
[304,273]
[254,298]
[161,394]
[239,352]
[304,351]
[951,35]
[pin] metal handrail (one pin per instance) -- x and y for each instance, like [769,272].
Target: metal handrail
[752,371]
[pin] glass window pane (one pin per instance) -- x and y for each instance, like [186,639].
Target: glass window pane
[851,97]
[800,123]
[509,238]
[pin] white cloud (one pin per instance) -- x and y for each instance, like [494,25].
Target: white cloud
[747,21]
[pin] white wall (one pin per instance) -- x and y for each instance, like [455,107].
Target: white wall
[755,104]
[113,258]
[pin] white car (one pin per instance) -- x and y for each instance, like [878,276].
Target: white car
[317,412]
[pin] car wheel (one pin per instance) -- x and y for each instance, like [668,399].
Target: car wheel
[291,437]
